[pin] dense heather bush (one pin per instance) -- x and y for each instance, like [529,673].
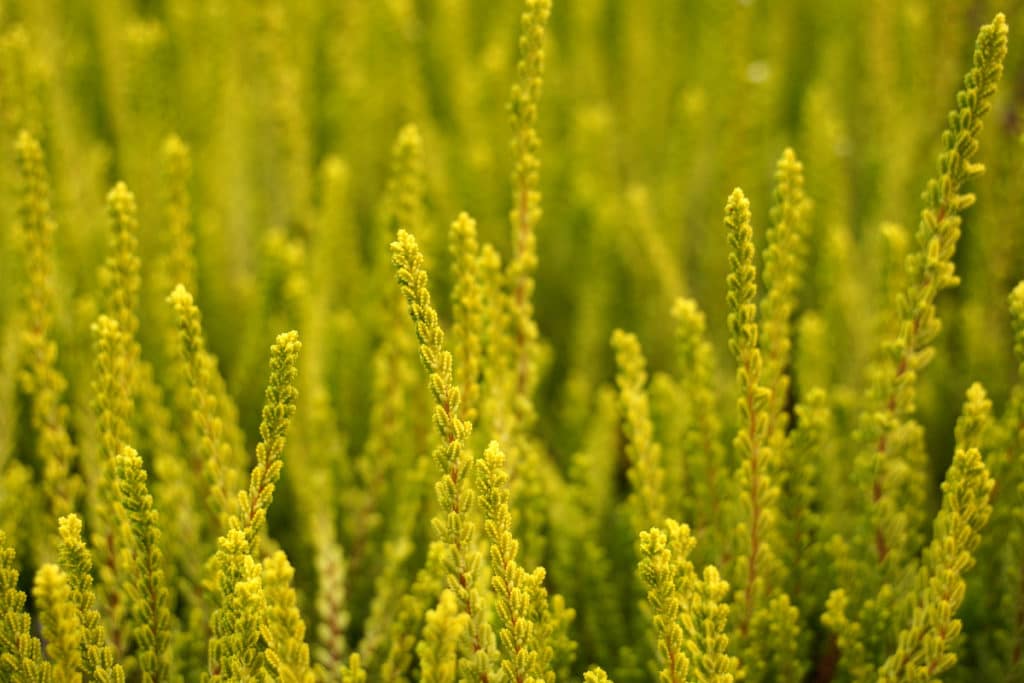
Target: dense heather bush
[783,473]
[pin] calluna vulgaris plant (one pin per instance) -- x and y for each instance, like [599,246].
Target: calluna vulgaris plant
[799,458]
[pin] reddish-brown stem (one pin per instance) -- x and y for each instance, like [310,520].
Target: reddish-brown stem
[113,598]
[828,664]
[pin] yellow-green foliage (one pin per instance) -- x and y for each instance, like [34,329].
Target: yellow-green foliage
[22,658]
[669,577]
[284,630]
[520,597]
[444,625]
[800,458]
[61,630]
[75,561]
[689,617]
[148,593]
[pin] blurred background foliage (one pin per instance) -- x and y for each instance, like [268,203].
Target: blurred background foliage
[652,112]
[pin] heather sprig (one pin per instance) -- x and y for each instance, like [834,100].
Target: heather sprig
[784,264]
[931,270]
[467,307]
[1016,301]
[284,630]
[111,388]
[646,472]
[756,561]
[147,420]
[890,452]
[407,184]
[61,629]
[689,611]
[975,421]
[181,261]
[596,675]
[150,610]
[707,622]
[237,580]
[454,524]
[21,653]
[526,210]
[211,451]
[278,408]
[112,404]
[926,644]
[234,646]
[766,621]
[1007,528]
[521,597]
[42,379]
[98,657]
[670,581]
[1013,502]
[701,444]
[802,499]
[121,271]
[441,632]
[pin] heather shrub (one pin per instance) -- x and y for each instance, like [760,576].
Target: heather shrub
[449,341]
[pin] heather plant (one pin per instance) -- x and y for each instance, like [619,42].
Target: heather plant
[585,390]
